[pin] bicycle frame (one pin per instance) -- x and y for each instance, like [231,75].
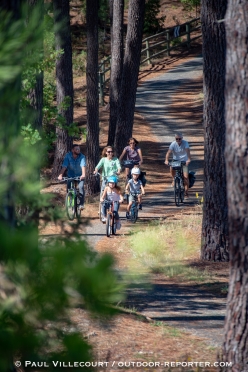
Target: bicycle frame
[72,198]
[134,208]
[179,187]
[111,219]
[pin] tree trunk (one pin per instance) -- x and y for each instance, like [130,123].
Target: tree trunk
[215,225]
[235,348]
[92,141]
[130,73]
[36,94]
[116,67]
[64,80]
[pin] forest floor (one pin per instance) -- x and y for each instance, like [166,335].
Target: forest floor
[162,317]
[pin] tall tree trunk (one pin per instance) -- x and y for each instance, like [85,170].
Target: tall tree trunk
[235,348]
[64,80]
[215,226]
[116,66]
[130,73]
[36,93]
[92,141]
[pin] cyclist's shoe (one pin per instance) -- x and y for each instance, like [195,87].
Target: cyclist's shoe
[104,219]
[127,215]
[140,206]
[186,195]
[118,225]
[81,207]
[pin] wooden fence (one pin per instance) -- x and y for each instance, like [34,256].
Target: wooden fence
[155,45]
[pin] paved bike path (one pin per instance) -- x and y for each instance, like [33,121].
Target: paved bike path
[154,101]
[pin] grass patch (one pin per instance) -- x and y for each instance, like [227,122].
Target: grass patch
[167,248]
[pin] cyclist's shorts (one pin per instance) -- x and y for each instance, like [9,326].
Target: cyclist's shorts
[186,169]
[131,198]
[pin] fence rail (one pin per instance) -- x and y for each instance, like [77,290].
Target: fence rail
[155,45]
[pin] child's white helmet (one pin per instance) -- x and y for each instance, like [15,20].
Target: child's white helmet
[135,171]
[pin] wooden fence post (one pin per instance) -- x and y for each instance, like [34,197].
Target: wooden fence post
[188,34]
[168,43]
[148,52]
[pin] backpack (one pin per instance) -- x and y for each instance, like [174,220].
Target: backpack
[142,178]
[191,179]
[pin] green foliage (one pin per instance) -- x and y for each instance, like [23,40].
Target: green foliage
[79,62]
[41,280]
[152,23]
[191,4]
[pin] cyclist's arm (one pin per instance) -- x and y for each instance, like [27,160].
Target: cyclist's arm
[127,187]
[142,189]
[122,154]
[189,156]
[83,172]
[104,194]
[62,173]
[141,157]
[167,156]
[98,166]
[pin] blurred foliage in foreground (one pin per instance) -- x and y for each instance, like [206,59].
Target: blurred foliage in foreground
[40,281]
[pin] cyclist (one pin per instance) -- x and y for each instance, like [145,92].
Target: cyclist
[181,152]
[110,165]
[112,193]
[132,152]
[134,186]
[75,164]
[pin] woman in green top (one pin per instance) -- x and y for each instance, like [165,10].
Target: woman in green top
[109,163]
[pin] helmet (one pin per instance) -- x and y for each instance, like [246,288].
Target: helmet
[135,171]
[113,179]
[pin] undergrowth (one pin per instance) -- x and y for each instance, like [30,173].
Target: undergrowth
[169,247]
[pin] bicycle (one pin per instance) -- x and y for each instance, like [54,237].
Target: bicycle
[179,187]
[111,218]
[72,200]
[104,183]
[134,208]
[130,164]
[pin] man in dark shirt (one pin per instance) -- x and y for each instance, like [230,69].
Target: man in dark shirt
[75,164]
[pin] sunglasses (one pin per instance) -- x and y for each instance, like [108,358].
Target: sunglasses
[178,139]
[131,143]
[109,152]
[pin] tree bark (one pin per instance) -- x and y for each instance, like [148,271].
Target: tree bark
[215,221]
[92,141]
[235,347]
[116,67]
[36,94]
[64,80]
[130,73]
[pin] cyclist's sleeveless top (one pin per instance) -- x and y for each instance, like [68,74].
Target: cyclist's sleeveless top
[132,154]
[113,196]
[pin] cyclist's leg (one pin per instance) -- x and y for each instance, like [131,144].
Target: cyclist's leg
[172,173]
[116,214]
[81,192]
[131,199]
[105,206]
[186,178]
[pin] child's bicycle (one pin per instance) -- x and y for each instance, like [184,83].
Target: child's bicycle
[104,182]
[130,164]
[72,201]
[111,218]
[179,188]
[134,208]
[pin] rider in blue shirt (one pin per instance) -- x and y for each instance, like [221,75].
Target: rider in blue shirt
[75,164]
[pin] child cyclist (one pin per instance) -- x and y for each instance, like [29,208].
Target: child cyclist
[111,193]
[134,186]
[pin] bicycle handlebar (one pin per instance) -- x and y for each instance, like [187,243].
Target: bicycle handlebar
[71,179]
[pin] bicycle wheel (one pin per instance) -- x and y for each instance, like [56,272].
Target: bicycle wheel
[70,206]
[177,191]
[134,213]
[114,223]
[108,225]
[182,192]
